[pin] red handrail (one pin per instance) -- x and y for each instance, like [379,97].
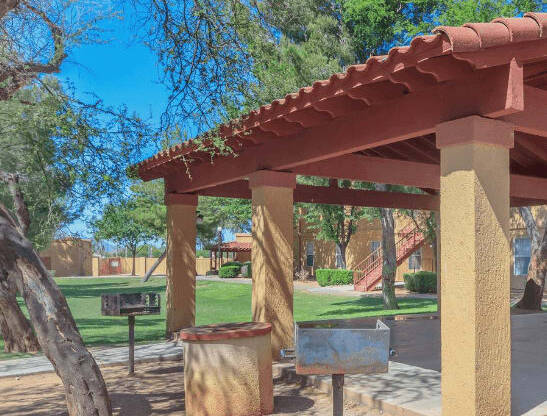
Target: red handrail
[410,236]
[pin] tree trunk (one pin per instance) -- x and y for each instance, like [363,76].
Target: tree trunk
[342,247]
[537,270]
[389,259]
[389,254]
[16,330]
[55,328]
[133,255]
[155,266]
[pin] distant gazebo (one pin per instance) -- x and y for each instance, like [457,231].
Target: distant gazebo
[231,247]
[460,114]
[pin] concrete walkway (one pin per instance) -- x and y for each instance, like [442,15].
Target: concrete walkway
[104,356]
[412,385]
[342,290]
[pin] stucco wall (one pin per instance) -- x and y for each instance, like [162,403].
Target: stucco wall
[69,257]
[359,247]
[143,264]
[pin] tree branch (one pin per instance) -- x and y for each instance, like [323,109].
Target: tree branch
[21,210]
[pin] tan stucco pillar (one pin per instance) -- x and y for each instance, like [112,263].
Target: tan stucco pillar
[476,326]
[272,254]
[181,261]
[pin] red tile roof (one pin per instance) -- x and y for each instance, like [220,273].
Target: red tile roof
[235,246]
[443,52]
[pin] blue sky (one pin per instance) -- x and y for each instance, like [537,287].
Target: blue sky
[120,72]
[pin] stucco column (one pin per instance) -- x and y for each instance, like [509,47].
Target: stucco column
[272,254]
[476,326]
[181,261]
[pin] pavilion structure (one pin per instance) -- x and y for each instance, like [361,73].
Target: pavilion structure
[216,256]
[461,114]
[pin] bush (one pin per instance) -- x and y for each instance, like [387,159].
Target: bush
[246,269]
[232,263]
[421,282]
[227,272]
[211,273]
[330,277]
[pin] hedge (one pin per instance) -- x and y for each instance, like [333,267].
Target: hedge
[211,273]
[421,282]
[246,269]
[227,272]
[233,263]
[330,277]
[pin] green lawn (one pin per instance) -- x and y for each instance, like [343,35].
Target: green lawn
[216,302]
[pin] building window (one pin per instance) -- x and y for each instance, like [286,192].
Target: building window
[374,246]
[339,262]
[522,251]
[415,260]
[309,254]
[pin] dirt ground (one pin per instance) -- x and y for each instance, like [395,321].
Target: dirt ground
[157,389]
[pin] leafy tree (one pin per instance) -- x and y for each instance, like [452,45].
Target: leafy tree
[333,222]
[124,224]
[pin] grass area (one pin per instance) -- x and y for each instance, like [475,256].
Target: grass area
[215,302]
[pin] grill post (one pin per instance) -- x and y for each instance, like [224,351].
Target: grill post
[337,394]
[131,322]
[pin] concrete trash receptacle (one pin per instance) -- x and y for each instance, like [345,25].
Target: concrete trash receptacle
[228,369]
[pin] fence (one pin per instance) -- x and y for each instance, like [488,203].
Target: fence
[123,266]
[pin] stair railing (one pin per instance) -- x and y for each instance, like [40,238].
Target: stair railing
[410,234]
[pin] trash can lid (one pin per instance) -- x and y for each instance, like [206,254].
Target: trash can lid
[231,330]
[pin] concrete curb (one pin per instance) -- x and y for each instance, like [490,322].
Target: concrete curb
[287,373]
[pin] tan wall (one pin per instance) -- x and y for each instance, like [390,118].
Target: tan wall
[144,264]
[95,266]
[70,257]
[244,238]
[202,265]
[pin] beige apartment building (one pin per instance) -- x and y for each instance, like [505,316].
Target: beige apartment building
[313,253]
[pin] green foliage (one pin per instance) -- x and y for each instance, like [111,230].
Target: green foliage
[421,282]
[202,253]
[122,224]
[233,263]
[246,270]
[335,222]
[332,277]
[227,272]
[228,213]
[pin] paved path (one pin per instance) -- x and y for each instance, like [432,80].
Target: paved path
[149,352]
[342,290]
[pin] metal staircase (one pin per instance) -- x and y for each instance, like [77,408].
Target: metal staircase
[369,272]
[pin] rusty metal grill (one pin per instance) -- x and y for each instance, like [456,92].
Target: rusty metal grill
[124,304]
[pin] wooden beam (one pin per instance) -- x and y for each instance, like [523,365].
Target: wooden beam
[533,120]
[374,169]
[362,198]
[335,196]
[490,92]
[528,187]
[525,191]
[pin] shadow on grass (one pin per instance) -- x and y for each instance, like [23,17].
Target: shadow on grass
[370,305]
[97,289]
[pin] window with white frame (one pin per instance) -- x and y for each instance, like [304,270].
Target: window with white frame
[522,250]
[374,246]
[339,262]
[415,260]
[309,254]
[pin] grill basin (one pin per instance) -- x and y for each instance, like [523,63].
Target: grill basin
[342,346]
[124,304]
